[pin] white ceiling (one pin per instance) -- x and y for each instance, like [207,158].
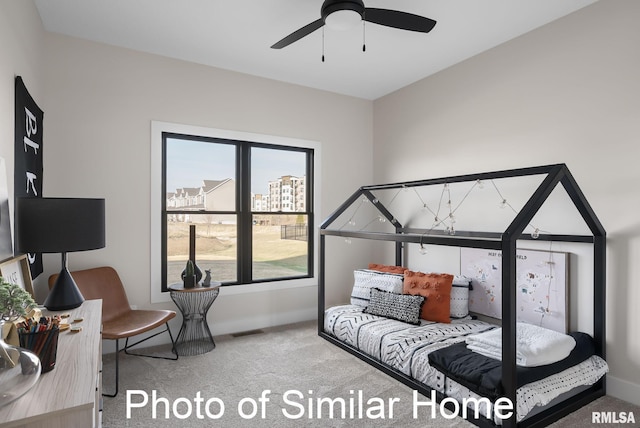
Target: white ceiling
[237,35]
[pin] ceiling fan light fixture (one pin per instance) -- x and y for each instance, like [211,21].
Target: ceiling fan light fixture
[342,20]
[345,14]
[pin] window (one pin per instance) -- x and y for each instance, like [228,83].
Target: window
[251,203]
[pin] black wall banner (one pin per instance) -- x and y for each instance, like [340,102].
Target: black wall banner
[28,155]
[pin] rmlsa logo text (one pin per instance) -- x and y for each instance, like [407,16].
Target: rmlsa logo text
[612,418]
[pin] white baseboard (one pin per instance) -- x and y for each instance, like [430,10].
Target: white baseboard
[624,390]
[236,326]
[264,321]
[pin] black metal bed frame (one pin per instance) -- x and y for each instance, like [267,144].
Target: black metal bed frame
[505,242]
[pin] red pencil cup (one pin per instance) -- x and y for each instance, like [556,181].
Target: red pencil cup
[44,344]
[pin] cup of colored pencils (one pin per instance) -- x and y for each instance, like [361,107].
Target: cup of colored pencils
[41,338]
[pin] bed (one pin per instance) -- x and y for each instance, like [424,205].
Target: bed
[408,348]
[424,354]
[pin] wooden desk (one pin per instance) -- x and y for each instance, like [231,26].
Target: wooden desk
[69,395]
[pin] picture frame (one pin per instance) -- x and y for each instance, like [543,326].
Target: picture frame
[16,271]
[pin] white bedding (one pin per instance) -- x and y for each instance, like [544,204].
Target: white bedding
[535,346]
[406,348]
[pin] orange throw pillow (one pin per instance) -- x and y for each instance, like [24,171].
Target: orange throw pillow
[436,288]
[387,268]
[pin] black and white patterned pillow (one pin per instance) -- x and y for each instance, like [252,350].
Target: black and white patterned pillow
[401,307]
[365,280]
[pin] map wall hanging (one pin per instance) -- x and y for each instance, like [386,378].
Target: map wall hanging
[541,284]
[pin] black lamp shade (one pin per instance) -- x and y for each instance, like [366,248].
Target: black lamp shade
[60,225]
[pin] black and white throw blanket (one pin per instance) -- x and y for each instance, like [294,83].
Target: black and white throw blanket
[483,374]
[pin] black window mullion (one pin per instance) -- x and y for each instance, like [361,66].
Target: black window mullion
[245,226]
[163,219]
[310,209]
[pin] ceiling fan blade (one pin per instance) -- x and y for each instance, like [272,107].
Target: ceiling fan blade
[397,19]
[298,34]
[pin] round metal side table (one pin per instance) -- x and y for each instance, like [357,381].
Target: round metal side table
[194,337]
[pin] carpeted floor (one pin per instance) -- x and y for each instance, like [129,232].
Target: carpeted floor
[289,366]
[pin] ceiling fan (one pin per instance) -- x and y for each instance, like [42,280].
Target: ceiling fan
[347,13]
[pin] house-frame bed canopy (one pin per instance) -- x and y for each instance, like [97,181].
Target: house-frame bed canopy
[505,240]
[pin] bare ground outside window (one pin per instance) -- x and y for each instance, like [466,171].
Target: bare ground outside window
[216,249]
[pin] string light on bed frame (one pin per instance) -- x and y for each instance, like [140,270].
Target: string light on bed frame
[448,219]
[451,218]
[351,221]
[381,219]
[536,231]
[422,250]
[447,222]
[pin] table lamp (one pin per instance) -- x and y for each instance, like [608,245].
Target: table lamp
[60,225]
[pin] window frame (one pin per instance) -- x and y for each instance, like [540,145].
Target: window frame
[158,204]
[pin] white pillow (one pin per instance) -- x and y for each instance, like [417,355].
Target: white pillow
[365,280]
[460,296]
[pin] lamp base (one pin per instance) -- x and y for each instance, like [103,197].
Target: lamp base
[64,294]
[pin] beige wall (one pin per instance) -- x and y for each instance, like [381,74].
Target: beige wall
[21,54]
[99,102]
[566,93]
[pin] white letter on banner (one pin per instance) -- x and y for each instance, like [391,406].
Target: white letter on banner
[31,124]
[30,177]
[28,142]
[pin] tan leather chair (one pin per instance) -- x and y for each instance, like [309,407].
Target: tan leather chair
[119,321]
